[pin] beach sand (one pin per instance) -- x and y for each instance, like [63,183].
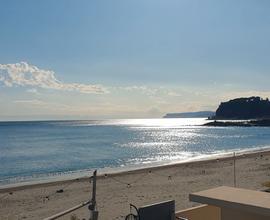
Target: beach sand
[116,191]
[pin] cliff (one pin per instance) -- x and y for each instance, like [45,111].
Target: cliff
[244,108]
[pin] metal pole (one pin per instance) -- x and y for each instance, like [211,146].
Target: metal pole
[94,188]
[92,206]
[234,173]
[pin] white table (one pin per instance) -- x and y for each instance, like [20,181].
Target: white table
[236,203]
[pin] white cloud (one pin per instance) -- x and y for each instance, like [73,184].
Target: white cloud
[239,94]
[174,94]
[35,102]
[24,74]
[150,91]
[33,90]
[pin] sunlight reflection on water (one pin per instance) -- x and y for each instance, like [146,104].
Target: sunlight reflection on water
[44,148]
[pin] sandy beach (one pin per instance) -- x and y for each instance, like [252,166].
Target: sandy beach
[139,187]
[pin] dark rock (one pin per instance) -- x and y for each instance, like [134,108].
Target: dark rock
[252,123]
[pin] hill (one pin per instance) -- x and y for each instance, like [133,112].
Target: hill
[200,114]
[244,108]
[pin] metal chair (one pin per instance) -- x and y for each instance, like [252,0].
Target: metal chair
[159,211]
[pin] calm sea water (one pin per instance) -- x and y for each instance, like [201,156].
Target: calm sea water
[30,150]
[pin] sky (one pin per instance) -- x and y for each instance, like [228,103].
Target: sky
[98,59]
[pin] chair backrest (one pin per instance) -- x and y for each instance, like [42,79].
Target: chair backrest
[159,211]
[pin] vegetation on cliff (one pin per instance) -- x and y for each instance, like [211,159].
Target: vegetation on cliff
[244,108]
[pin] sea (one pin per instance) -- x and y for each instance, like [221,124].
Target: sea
[47,150]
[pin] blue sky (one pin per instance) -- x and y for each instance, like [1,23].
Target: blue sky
[129,59]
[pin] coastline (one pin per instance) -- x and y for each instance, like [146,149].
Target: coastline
[140,187]
[239,123]
[82,175]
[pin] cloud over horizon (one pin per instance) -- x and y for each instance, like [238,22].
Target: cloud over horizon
[24,74]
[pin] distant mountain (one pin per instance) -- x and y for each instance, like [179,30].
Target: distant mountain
[200,114]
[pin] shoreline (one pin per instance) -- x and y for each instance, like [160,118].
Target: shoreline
[115,191]
[75,177]
[239,123]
